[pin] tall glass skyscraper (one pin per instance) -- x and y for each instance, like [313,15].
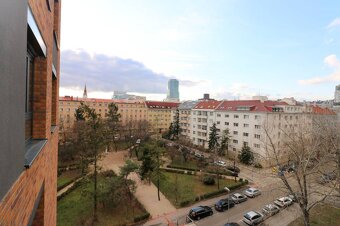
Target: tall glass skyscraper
[173,93]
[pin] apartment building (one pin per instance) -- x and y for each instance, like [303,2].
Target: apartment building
[247,120]
[202,118]
[130,110]
[185,116]
[29,43]
[160,114]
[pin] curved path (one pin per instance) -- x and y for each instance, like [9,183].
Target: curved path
[146,193]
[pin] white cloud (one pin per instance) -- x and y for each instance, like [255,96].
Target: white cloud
[334,23]
[332,62]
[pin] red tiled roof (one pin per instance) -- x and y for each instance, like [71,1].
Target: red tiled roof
[208,104]
[71,98]
[249,105]
[161,104]
[322,111]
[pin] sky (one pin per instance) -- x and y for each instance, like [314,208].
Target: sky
[232,49]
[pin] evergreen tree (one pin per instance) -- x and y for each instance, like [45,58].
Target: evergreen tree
[224,143]
[213,138]
[93,134]
[176,129]
[246,156]
[112,124]
[169,134]
[214,147]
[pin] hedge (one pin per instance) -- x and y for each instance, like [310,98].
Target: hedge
[213,194]
[226,173]
[74,186]
[179,171]
[182,167]
[141,217]
[68,183]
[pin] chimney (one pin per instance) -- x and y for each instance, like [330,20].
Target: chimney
[206,96]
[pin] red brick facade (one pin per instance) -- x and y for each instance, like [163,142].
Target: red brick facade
[20,205]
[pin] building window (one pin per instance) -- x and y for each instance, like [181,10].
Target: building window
[226,123]
[245,144]
[218,115]
[211,113]
[235,132]
[236,124]
[257,136]
[218,122]
[257,117]
[246,116]
[226,116]
[235,141]
[245,134]
[235,116]
[257,127]
[245,125]
[29,96]
[256,145]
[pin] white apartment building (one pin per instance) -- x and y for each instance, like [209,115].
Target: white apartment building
[247,120]
[185,116]
[202,118]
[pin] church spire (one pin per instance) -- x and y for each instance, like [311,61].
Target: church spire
[85,92]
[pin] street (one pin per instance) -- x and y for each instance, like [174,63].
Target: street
[235,214]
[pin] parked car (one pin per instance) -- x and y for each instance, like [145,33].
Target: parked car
[327,177]
[252,218]
[252,192]
[234,169]
[220,163]
[200,212]
[292,197]
[283,202]
[199,155]
[238,198]
[231,224]
[270,209]
[224,204]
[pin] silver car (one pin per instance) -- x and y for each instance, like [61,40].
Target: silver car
[238,198]
[252,218]
[283,202]
[270,209]
[252,192]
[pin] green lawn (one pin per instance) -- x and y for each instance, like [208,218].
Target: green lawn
[179,162]
[189,187]
[67,176]
[321,215]
[76,209]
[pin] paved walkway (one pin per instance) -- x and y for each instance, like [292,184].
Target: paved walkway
[146,194]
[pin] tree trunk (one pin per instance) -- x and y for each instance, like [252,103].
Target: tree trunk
[159,198]
[218,178]
[306,217]
[95,188]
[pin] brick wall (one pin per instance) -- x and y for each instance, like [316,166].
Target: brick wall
[17,207]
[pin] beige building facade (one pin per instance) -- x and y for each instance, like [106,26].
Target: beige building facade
[130,110]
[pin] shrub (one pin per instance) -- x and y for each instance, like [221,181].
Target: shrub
[141,217]
[258,165]
[208,180]
[184,203]
[181,167]
[240,180]
[108,173]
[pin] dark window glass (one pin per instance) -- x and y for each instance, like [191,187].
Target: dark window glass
[29,96]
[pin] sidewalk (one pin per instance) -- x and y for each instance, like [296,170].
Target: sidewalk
[146,194]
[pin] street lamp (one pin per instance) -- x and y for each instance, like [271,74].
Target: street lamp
[227,190]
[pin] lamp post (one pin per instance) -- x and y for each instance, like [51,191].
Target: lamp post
[227,190]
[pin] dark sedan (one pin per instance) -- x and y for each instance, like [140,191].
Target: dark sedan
[200,212]
[224,204]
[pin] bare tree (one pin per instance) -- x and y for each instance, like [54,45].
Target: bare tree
[310,148]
